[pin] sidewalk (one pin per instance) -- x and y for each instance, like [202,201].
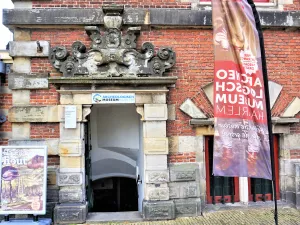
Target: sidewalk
[253,215]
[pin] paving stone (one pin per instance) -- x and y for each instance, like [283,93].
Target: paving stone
[263,214]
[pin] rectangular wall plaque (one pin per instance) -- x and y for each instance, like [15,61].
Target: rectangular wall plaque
[70,116]
[113,98]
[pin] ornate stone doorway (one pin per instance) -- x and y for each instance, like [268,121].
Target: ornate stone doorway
[113,65]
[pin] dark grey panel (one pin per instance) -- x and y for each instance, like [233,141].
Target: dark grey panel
[158,17]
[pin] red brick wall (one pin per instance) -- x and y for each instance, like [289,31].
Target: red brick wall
[295,6]
[295,154]
[44,97]
[100,3]
[44,130]
[53,160]
[194,66]
[5,103]
[182,157]
[129,4]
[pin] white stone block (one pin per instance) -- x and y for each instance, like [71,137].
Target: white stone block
[157,192]
[157,177]
[154,129]
[21,97]
[20,130]
[71,147]
[70,134]
[81,99]
[293,108]
[33,114]
[61,112]
[66,99]
[156,112]
[28,49]
[159,98]
[156,162]
[190,143]
[156,146]
[290,142]
[274,91]
[143,99]
[192,110]
[21,65]
[172,112]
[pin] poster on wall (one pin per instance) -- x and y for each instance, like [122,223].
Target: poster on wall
[241,142]
[23,180]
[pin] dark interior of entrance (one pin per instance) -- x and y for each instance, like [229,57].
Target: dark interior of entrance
[115,194]
[112,159]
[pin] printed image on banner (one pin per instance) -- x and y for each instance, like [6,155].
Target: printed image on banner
[23,180]
[113,98]
[241,143]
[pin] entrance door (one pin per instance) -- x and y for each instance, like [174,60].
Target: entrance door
[115,156]
[218,189]
[261,189]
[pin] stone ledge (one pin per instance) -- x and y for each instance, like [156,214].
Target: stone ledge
[17,81]
[154,17]
[51,143]
[29,48]
[40,113]
[114,80]
[278,120]
[202,122]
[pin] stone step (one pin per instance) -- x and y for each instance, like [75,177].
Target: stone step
[100,217]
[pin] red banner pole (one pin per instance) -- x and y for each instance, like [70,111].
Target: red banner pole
[269,118]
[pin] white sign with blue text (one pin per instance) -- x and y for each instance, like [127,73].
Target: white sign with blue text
[113,98]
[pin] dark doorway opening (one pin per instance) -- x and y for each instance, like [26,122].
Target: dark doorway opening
[115,194]
[218,189]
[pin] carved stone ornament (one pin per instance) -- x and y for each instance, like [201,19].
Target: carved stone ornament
[112,54]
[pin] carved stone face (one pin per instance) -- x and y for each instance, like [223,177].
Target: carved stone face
[113,39]
[69,67]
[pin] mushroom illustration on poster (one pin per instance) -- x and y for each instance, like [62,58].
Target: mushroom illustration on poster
[23,180]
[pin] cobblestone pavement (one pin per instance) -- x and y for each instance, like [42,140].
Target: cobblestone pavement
[240,216]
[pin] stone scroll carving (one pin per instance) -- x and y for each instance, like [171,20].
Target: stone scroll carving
[111,53]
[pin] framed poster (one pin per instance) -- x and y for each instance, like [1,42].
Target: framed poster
[23,180]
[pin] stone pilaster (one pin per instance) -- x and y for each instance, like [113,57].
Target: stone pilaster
[71,175]
[156,148]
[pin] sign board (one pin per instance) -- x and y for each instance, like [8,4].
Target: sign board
[23,180]
[70,116]
[113,98]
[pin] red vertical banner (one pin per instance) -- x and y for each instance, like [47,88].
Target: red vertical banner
[241,144]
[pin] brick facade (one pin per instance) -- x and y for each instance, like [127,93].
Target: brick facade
[181,148]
